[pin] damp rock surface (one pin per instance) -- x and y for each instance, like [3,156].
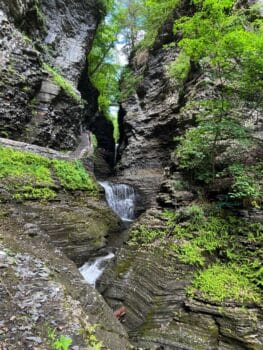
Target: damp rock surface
[42,292]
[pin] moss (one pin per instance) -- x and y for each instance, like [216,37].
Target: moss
[222,282]
[64,84]
[180,68]
[28,192]
[73,176]
[30,176]
[143,235]
[203,235]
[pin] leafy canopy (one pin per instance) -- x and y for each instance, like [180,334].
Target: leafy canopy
[222,41]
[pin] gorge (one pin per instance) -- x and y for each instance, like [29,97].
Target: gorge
[168,225]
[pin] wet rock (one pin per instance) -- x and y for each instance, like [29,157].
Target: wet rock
[42,291]
[159,315]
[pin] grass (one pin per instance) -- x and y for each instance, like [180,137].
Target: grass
[63,83]
[30,176]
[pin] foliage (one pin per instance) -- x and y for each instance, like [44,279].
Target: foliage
[129,82]
[131,17]
[16,164]
[116,130]
[94,141]
[199,147]
[29,192]
[221,282]
[73,176]
[180,68]
[221,40]
[190,253]
[58,343]
[64,84]
[62,343]
[246,184]
[143,235]
[123,27]
[156,13]
[202,235]
[29,176]
[103,71]
[90,338]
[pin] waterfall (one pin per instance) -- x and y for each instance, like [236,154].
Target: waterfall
[116,152]
[92,270]
[121,199]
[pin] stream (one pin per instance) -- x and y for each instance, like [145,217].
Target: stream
[121,199]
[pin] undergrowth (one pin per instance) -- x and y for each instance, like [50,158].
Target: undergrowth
[225,250]
[221,282]
[30,176]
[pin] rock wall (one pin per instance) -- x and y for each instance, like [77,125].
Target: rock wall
[42,293]
[151,283]
[149,125]
[148,281]
[35,108]
[160,110]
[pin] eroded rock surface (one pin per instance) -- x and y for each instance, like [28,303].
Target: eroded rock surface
[34,108]
[42,292]
[152,283]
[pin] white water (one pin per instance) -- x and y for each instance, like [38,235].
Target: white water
[121,199]
[116,152]
[92,270]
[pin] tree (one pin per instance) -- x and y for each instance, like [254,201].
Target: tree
[221,40]
[102,70]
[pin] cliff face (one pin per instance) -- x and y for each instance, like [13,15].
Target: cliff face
[40,105]
[149,125]
[160,110]
[43,223]
[42,293]
[150,277]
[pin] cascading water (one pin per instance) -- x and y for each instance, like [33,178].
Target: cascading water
[93,269]
[121,199]
[116,152]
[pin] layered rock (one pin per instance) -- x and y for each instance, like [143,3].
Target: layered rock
[161,109]
[149,125]
[34,106]
[42,293]
[152,284]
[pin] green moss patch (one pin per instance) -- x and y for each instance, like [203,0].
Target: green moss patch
[63,83]
[144,235]
[225,250]
[30,176]
[221,282]
[73,176]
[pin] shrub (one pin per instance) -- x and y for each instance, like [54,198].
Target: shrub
[179,69]
[246,186]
